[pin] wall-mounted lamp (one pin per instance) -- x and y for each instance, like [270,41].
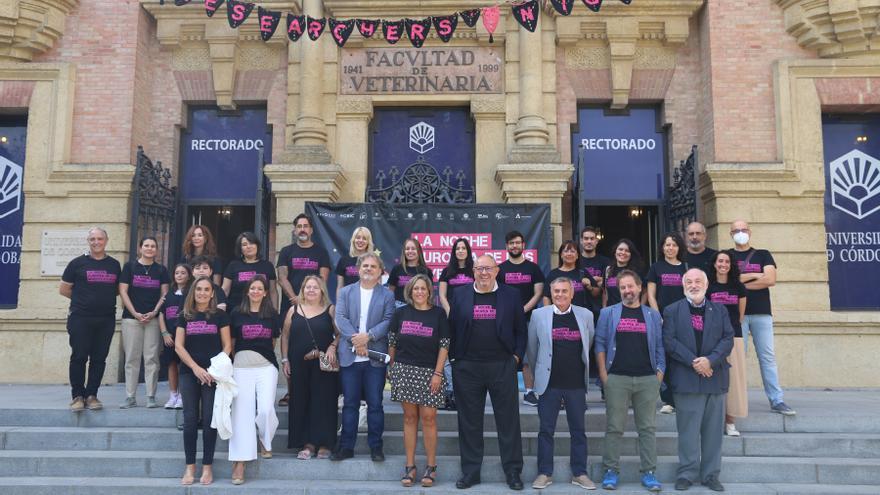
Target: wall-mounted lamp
[635,212]
[225,212]
[861,139]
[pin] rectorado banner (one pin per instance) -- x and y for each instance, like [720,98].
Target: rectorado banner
[436,227]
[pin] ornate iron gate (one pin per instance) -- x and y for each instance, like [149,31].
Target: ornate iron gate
[153,206]
[681,204]
[420,183]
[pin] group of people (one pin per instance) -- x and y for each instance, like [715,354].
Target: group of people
[683,334]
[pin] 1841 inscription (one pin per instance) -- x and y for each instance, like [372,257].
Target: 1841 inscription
[428,70]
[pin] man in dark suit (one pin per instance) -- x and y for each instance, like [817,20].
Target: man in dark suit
[488,341]
[698,337]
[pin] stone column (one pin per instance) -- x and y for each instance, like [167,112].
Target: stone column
[353,115]
[531,136]
[490,135]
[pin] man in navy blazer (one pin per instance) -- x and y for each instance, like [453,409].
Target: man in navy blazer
[698,337]
[363,313]
[488,332]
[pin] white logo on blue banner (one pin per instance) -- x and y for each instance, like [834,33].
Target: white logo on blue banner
[10,187]
[855,184]
[421,138]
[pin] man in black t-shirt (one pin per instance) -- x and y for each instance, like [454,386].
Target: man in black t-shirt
[91,283]
[298,260]
[526,277]
[758,273]
[594,264]
[488,333]
[698,255]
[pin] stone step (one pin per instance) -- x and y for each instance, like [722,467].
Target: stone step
[154,464]
[169,439]
[222,486]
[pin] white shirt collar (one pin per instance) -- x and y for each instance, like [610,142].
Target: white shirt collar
[494,288]
[557,311]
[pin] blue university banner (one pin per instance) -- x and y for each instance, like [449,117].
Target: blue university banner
[13,137]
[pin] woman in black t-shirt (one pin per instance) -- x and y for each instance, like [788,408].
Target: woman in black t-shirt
[309,330]
[418,343]
[581,282]
[248,265]
[255,328]
[412,263]
[202,333]
[458,273]
[725,288]
[142,288]
[626,257]
[346,269]
[664,277]
[172,305]
[198,241]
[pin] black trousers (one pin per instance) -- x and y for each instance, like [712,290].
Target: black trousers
[197,397]
[313,405]
[472,380]
[89,338]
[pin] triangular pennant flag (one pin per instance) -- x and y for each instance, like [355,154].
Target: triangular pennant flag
[269,20]
[593,5]
[417,30]
[341,30]
[237,12]
[181,2]
[491,16]
[392,30]
[296,26]
[470,17]
[315,27]
[445,26]
[527,15]
[626,2]
[211,6]
[564,7]
[367,27]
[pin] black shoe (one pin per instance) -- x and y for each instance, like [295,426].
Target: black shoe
[713,484]
[342,454]
[514,481]
[530,399]
[682,484]
[466,482]
[450,403]
[377,455]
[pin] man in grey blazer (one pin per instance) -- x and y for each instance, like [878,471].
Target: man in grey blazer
[559,346]
[363,313]
[698,337]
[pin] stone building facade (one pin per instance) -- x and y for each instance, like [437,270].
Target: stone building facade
[746,82]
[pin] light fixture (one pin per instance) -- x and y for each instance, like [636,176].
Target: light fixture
[635,212]
[225,212]
[861,139]
[4,139]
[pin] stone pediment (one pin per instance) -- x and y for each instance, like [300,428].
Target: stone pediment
[29,28]
[834,28]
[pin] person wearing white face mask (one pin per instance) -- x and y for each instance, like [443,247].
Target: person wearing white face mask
[758,273]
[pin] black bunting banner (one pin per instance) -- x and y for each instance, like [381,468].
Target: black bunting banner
[445,26]
[564,7]
[367,27]
[470,17]
[392,30]
[237,12]
[268,22]
[593,5]
[626,2]
[180,3]
[315,27]
[417,30]
[296,26]
[341,30]
[527,14]
[211,6]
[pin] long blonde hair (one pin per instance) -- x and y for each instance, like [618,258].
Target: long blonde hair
[366,233]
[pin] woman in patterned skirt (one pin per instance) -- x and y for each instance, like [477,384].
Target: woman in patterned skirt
[418,342]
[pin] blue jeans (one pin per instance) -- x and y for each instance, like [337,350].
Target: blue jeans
[761,328]
[548,413]
[362,381]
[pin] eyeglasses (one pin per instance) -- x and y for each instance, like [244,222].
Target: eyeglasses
[739,231]
[483,269]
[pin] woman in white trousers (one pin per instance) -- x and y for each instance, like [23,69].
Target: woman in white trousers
[255,330]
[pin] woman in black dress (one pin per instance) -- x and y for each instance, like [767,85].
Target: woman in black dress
[418,342]
[308,329]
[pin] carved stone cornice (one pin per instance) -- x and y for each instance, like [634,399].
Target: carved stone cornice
[31,27]
[624,31]
[834,28]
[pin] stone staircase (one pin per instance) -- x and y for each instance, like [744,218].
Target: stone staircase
[832,446]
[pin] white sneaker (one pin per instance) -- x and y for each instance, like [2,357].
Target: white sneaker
[178,402]
[172,399]
[667,409]
[730,430]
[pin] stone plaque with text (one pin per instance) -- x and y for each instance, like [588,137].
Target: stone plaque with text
[438,70]
[58,247]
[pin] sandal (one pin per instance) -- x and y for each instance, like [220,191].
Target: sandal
[305,454]
[323,454]
[409,476]
[284,400]
[429,476]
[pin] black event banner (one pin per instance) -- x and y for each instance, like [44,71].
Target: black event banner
[436,227]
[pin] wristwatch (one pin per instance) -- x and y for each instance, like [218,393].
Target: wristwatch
[284,360]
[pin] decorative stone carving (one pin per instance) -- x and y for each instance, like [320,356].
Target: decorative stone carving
[834,28]
[31,27]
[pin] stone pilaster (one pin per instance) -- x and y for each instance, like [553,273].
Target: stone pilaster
[353,115]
